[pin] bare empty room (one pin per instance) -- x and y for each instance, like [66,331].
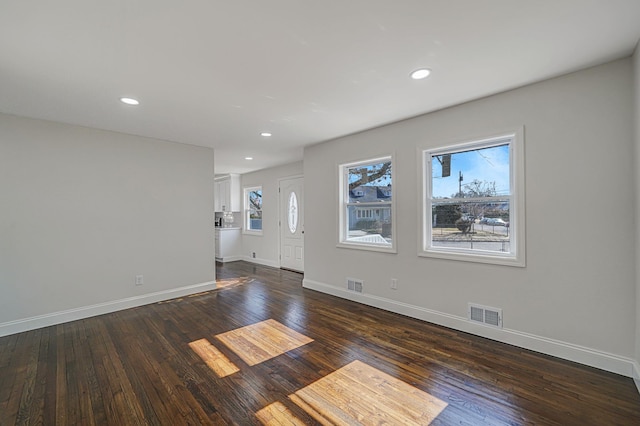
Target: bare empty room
[295,212]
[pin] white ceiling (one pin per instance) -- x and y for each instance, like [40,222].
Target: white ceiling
[218,72]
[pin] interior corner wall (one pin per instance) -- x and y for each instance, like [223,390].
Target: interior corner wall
[85,211]
[266,246]
[636,121]
[576,296]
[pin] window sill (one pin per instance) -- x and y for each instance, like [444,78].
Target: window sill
[367,247]
[479,257]
[250,232]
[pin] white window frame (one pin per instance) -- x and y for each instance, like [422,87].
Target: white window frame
[246,229]
[517,255]
[343,204]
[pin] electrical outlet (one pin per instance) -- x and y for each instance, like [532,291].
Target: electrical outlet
[394,283]
[139,279]
[253,254]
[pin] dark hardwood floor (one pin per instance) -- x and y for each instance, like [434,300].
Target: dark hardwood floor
[263,350]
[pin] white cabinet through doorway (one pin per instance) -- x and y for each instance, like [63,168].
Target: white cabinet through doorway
[228,244]
[226,193]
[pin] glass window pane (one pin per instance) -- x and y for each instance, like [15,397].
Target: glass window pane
[253,208]
[370,183]
[255,219]
[293,212]
[369,224]
[255,199]
[482,172]
[472,225]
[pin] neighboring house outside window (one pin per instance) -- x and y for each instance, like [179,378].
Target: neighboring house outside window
[473,206]
[366,205]
[253,209]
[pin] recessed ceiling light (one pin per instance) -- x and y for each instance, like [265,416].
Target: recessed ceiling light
[129,101]
[265,134]
[248,158]
[420,73]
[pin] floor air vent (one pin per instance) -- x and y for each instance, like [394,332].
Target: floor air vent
[485,315]
[354,285]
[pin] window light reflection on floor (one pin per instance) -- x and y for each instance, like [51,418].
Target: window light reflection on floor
[358,394]
[262,341]
[214,359]
[231,282]
[278,414]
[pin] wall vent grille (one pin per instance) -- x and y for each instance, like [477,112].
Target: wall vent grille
[485,315]
[354,284]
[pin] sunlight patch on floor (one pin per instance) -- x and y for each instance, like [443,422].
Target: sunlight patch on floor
[360,394]
[262,341]
[277,414]
[214,359]
[231,282]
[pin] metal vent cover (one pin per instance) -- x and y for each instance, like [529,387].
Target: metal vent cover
[476,314]
[485,315]
[354,284]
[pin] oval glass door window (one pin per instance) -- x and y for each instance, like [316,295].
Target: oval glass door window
[293,212]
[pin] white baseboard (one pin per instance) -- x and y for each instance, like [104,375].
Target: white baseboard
[46,320]
[229,258]
[259,261]
[583,355]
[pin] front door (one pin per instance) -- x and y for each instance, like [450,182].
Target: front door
[292,224]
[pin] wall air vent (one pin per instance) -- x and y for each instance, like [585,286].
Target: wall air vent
[354,284]
[485,315]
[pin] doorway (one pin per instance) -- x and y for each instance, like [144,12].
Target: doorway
[292,223]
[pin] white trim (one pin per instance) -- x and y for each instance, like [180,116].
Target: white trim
[369,247]
[265,262]
[569,351]
[54,318]
[229,258]
[636,374]
[469,256]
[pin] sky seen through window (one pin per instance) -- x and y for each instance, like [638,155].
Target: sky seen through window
[485,164]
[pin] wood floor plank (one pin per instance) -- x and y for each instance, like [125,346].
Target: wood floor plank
[180,364]
[61,376]
[32,408]
[29,386]
[48,378]
[324,360]
[14,377]
[124,405]
[91,409]
[170,392]
[6,352]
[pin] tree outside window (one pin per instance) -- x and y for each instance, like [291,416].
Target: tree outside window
[253,209]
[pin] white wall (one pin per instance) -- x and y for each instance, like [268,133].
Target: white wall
[576,297]
[84,211]
[266,246]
